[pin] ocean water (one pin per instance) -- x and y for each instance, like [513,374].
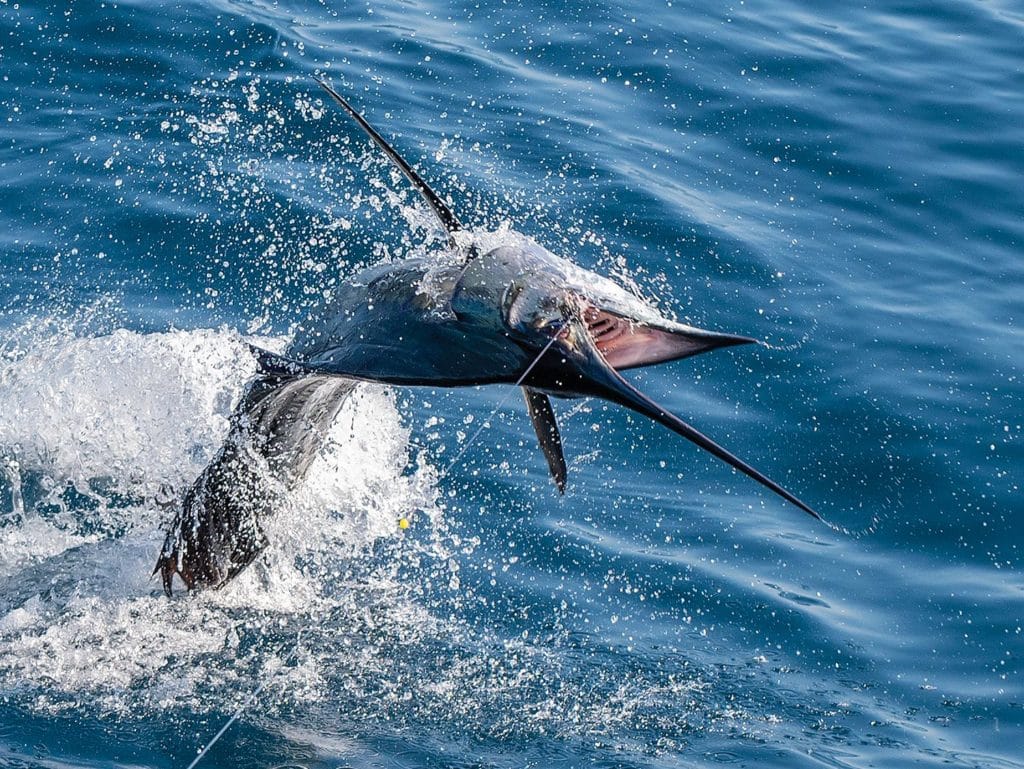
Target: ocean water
[842,182]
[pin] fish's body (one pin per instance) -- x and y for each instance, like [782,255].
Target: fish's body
[513,313]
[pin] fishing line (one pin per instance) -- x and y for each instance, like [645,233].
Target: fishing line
[501,402]
[244,706]
[793,346]
[248,702]
[870,529]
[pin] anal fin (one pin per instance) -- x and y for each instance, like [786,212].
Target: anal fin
[544,424]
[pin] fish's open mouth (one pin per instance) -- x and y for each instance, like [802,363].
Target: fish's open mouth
[627,343]
[596,344]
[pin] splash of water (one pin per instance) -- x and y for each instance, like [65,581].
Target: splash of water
[96,429]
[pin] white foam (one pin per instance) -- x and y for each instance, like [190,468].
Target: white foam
[82,619]
[142,410]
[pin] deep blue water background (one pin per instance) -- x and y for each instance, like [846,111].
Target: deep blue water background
[842,182]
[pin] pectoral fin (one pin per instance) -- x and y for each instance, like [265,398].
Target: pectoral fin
[544,424]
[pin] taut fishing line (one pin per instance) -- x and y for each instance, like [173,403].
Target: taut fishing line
[501,402]
[248,702]
[244,706]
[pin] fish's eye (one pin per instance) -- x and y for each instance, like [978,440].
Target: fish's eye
[511,307]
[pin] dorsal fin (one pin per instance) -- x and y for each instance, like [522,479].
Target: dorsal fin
[439,207]
[273,364]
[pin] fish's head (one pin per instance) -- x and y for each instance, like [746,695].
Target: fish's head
[578,330]
[540,300]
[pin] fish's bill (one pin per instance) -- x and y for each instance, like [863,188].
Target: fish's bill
[612,386]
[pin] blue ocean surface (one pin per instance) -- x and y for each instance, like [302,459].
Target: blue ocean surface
[841,181]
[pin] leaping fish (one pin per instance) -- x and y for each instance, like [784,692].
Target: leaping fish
[515,314]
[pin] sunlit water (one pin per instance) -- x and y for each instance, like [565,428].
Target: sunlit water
[844,184]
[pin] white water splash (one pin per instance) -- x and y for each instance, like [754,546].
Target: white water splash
[117,419]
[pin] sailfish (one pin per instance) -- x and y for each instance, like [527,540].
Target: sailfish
[512,314]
